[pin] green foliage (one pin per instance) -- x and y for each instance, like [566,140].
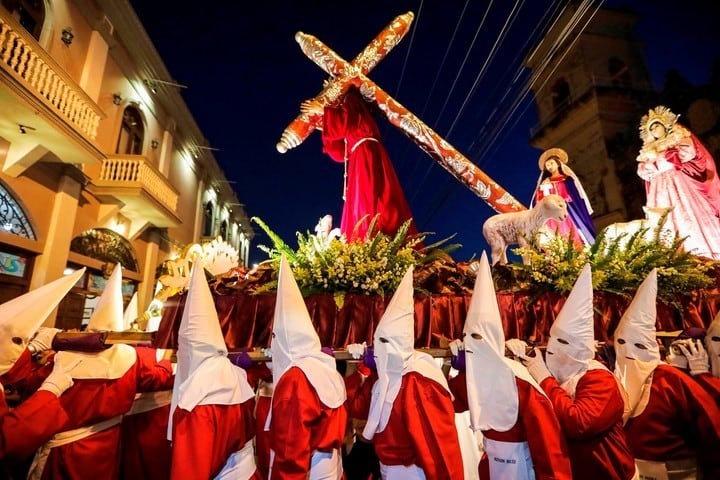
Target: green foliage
[619,265]
[333,265]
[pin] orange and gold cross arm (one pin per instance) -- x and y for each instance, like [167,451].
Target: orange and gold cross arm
[345,74]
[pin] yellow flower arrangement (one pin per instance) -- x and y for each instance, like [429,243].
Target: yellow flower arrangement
[333,265]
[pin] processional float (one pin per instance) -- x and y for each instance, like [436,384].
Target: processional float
[343,76]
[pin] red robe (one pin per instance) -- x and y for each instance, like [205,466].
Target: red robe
[300,425]
[458,387]
[372,185]
[205,437]
[681,421]
[31,424]
[145,447]
[421,430]
[592,424]
[710,384]
[258,376]
[537,425]
[91,401]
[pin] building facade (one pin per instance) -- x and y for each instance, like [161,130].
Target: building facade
[592,89]
[100,159]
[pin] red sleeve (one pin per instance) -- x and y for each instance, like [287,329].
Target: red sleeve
[27,427]
[294,406]
[333,134]
[430,420]
[458,387]
[545,439]
[153,375]
[710,384]
[597,407]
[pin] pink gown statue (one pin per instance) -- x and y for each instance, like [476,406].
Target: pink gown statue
[680,173]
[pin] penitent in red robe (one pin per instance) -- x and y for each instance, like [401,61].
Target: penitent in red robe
[710,384]
[300,425]
[91,401]
[538,426]
[205,437]
[592,424]
[350,132]
[145,447]
[421,430]
[681,421]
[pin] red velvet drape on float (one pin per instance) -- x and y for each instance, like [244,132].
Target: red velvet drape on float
[246,320]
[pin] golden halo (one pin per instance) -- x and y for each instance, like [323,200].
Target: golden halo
[552,152]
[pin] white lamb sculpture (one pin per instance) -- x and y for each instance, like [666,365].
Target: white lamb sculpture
[511,228]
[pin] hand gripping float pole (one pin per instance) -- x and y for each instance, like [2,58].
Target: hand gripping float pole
[344,74]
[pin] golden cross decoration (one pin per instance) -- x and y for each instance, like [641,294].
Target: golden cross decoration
[344,74]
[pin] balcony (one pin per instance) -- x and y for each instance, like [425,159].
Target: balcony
[44,110]
[28,63]
[145,193]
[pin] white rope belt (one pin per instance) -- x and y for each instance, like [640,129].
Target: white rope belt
[144,402]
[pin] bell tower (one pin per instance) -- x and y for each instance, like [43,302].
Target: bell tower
[590,93]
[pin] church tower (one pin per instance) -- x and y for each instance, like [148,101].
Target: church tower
[590,93]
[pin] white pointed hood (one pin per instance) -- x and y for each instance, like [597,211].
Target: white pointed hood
[131,312]
[21,317]
[636,349]
[108,314]
[295,343]
[712,344]
[571,347]
[491,386]
[395,355]
[204,376]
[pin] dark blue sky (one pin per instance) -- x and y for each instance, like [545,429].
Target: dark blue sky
[247,77]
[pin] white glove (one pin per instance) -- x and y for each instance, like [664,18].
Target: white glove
[43,339]
[455,346]
[536,365]
[698,360]
[356,350]
[60,378]
[516,346]
[267,352]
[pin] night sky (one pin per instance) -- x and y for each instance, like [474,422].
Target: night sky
[247,77]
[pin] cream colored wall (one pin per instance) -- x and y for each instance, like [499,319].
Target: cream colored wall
[185,180]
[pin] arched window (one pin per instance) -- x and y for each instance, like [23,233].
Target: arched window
[223,230]
[208,220]
[29,13]
[132,131]
[12,217]
[619,73]
[560,92]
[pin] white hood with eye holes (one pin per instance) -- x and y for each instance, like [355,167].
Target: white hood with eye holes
[491,385]
[394,348]
[712,344]
[636,349]
[571,348]
[295,342]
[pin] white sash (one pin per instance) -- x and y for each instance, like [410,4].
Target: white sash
[63,438]
[239,465]
[401,472]
[469,448]
[509,460]
[323,465]
[144,402]
[326,465]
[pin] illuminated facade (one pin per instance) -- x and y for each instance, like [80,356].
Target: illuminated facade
[101,160]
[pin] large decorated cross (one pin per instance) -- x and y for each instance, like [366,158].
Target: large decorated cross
[344,75]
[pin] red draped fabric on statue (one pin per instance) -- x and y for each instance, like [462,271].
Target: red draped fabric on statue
[246,320]
[350,133]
